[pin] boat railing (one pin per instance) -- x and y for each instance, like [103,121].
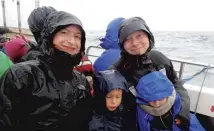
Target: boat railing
[18,5]
[181,62]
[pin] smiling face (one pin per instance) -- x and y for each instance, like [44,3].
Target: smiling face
[137,43]
[113,99]
[68,39]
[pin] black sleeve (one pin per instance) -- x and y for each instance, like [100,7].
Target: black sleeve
[87,106]
[84,106]
[160,59]
[32,54]
[115,65]
[7,89]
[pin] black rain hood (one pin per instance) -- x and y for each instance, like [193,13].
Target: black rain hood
[55,22]
[36,20]
[129,26]
[105,82]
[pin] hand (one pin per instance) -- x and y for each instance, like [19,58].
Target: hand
[90,81]
[182,122]
[177,121]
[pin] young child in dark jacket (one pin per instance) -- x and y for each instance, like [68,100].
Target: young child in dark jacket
[158,104]
[110,86]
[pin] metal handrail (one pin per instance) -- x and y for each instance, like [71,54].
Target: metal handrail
[19,16]
[202,85]
[88,49]
[37,3]
[182,62]
[18,4]
[3,13]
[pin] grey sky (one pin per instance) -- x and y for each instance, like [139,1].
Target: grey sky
[188,15]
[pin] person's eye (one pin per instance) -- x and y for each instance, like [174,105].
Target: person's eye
[127,40]
[77,37]
[108,97]
[63,32]
[118,96]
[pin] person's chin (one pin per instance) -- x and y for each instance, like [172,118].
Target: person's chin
[142,52]
[112,108]
[139,53]
[72,53]
[157,106]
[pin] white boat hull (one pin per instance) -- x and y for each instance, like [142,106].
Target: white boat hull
[202,103]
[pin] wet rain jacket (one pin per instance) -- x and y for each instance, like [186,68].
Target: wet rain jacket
[103,119]
[110,44]
[45,94]
[133,67]
[156,86]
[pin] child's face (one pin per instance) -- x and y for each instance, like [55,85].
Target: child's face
[158,103]
[113,99]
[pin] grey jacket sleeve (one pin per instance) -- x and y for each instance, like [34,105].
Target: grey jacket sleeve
[185,100]
[161,60]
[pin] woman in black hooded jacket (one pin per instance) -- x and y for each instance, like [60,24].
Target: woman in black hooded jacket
[45,94]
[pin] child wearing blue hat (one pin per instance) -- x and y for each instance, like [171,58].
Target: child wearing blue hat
[158,104]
